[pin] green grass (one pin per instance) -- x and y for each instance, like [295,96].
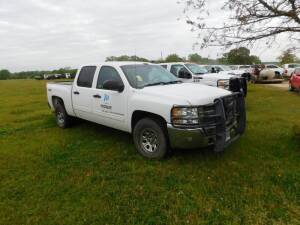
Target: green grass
[90,174]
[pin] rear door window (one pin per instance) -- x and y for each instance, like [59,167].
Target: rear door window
[86,76]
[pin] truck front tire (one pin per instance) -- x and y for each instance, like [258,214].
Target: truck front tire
[150,138]
[63,120]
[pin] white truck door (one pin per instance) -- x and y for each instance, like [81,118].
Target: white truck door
[82,94]
[109,106]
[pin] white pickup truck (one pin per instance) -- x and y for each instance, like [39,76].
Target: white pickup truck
[146,100]
[193,73]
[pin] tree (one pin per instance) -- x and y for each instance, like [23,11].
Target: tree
[255,59]
[126,58]
[195,58]
[248,21]
[4,74]
[240,56]
[174,58]
[288,56]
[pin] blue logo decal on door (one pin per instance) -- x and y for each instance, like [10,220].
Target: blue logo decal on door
[106,98]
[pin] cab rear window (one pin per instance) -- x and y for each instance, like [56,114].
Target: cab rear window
[86,76]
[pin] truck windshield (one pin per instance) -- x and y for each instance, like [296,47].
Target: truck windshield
[196,69]
[142,75]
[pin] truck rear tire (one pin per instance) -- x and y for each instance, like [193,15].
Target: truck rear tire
[63,120]
[150,138]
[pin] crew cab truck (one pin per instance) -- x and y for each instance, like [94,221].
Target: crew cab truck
[193,73]
[146,100]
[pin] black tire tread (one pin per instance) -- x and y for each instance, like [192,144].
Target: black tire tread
[59,106]
[160,127]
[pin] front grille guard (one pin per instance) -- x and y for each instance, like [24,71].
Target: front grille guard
[223,119]
[238,85]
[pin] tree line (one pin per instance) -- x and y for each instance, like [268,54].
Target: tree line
[6,74]
[237,56]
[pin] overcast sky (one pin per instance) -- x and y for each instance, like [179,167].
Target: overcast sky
[49,34]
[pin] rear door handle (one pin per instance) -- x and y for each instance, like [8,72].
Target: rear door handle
[96,96]
[76,93]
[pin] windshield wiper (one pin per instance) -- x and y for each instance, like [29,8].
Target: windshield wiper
[154,84]
[163,83]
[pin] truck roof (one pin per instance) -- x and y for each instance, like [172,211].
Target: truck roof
[116,63]
[170,63]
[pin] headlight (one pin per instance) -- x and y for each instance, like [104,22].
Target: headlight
[223,84]
[185,116]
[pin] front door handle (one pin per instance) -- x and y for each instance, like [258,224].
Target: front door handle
[96,96]
[76,93]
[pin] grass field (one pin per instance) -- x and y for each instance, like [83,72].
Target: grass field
[90,174]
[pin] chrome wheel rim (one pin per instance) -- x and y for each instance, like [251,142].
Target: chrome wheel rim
[149,140]
[60,117]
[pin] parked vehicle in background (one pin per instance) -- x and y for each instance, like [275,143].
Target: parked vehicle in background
[49,77]
[151,103]
[294,82]
[289,69]
[68,75]
[59,76]
[38,77]
[233,67]
[224,69]
[278,70]
[261,74]
[246,68]
[193,73]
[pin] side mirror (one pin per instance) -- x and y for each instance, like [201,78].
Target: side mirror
[184,74]
[113,85]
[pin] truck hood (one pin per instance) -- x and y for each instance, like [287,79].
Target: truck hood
[185,93]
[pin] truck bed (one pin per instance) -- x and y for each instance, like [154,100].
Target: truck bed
[62,82]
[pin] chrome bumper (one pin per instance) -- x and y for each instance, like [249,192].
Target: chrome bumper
[187,138]
[193,138]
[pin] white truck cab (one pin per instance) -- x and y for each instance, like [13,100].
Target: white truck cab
[194,73]
[146,100]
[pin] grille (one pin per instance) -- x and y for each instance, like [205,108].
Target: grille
[211,117]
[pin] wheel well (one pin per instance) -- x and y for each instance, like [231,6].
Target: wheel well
[57,100]
[138,115]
